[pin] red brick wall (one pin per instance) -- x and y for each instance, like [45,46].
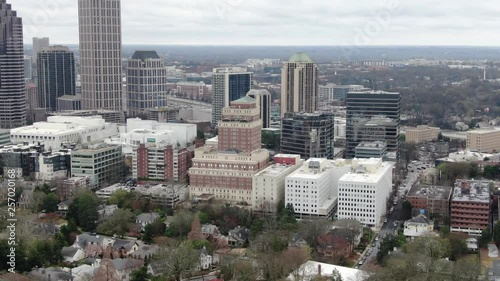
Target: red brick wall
[142,162]
[169,160]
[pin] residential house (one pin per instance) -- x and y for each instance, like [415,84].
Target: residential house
[105,211]
[418,226]
[146,218]
[145,252]
[298,240]
[238,237]
[72,254]
[84,272]
[52,274]
[207,261]
[351,229]
[331,245]
[63,207]
[210,231]
[155,268]
[124,267]
[125,247]
[49,229]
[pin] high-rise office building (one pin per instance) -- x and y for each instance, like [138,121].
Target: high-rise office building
[263,99]
[299,85]
[373,116]
[228,84]
[12,86]
[28,68]
[309,135]
[100,54]
[56,75]
[38,45]
[146,83]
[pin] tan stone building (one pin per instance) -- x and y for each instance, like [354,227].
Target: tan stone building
[422,133]
[484,141]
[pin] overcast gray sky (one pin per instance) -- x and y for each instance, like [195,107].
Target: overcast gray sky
[279,22]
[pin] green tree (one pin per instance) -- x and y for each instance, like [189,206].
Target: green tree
[203,217]
[148,234]
[458,245]
[485,238]
[83,211]
[496,233]
[50,203]
[118,223]
[119,198]
[140,274]
[407,210]
[181,224]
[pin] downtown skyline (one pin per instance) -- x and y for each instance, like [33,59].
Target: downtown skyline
[236,22]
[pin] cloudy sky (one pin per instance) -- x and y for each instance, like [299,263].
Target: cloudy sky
[279,22]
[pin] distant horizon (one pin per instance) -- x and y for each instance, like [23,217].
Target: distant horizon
[307,46]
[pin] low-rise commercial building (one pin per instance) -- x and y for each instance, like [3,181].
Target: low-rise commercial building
[367,150]
[59,130]
[435,200]
[421,134]
[103,164]
[161,195]
[485,141]
[470,207]
[268,186]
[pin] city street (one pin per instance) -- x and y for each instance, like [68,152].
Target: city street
[388,227]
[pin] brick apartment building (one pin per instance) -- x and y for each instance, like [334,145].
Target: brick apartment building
[434,199]
[470,207]
[167,163]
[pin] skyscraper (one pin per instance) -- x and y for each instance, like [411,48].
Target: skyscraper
[228,84]
[372,116]
[28,68]
[263,99]
[38,45]
[56,75]
[299,85]
[146,82]
[100,54]
[12,87]
[309,135]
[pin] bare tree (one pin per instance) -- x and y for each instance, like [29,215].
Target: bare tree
[177,260]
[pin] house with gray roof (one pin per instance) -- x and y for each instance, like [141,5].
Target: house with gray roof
[418,226]
[124,267]
[146,218]
[72,254]
[51,273]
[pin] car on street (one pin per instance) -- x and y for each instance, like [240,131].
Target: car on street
[395,223]
[374,244]
[360,262]
[377,237]
[385,220]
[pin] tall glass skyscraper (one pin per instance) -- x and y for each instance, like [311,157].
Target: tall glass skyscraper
[146,82]
[372,116]
[308,134]
[100,54]
[56,75]
[228,84]
[12,87]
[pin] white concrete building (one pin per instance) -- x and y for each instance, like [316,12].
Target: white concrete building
[339,128]
[312,189]
[364,191]
[139,132]
[65,129]
[268,186]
